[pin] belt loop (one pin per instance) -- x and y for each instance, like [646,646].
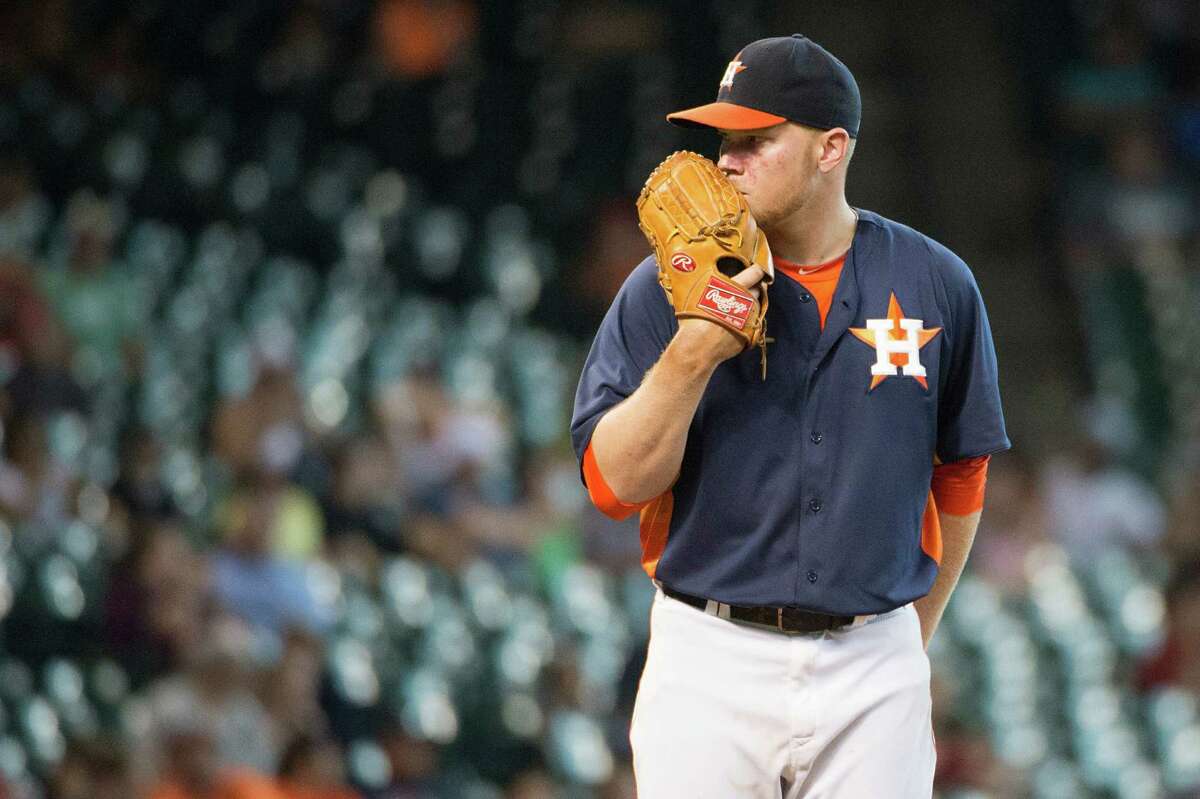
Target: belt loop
[779,619]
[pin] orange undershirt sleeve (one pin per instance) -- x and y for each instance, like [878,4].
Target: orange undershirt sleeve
[958,487]
[601,495]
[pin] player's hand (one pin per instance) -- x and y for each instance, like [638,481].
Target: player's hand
[709,341]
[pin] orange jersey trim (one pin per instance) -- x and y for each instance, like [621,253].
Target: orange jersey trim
[821,280]
[601,495]
[654,526]
[931,531]
[654,523]
[959,487]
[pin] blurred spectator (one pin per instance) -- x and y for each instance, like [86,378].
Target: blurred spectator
[965,760]
[365,495]
[542,526]
[621,785]
[615,246]
[34,486]
[215,699]
[533,783]
[155,602]
[1177,661]
[24,210]
[1183,528]
[139,485]
[446,451]
[252,581]
[414,766]
[311,768]
[264,430]
[43,382]
[1145,200]
[97,300]
[1013,524]
[262,437]
[193,771]
[439,540]
[24,315]
[92,769]
[1115,79]
[291,687]
[1094,503]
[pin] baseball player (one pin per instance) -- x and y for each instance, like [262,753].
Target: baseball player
[808,497]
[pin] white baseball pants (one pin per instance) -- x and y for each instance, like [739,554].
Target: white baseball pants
[730,711]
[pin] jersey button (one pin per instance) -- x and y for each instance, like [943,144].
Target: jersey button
[816,437]
[814,505]
[805,297]
[812,577]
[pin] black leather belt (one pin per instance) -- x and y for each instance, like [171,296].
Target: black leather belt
[788,620]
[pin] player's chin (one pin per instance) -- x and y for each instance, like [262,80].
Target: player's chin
[756,208]
[762,216]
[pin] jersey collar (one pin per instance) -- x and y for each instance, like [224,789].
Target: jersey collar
[846,297]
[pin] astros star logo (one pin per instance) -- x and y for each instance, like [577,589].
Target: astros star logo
[897,342]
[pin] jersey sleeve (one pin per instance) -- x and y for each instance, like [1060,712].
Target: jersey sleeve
[634,333]
[970,418]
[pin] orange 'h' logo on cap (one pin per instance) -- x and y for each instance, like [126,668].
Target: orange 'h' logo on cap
[735,66]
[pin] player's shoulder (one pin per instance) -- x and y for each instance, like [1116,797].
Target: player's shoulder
[642,282]
[641,292]
[644,275]
[910,247]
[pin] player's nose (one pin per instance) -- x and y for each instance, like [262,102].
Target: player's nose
[729,164]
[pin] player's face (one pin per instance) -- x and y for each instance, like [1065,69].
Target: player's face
[775,168]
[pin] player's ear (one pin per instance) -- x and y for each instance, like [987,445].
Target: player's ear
[835,148]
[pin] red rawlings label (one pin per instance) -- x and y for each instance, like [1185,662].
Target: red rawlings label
[727,302]
[683,262]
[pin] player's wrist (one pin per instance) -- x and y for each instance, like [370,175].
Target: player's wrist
[701,346]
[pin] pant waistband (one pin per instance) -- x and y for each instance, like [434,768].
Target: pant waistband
[782,619]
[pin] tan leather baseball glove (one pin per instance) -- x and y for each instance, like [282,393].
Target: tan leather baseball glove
[703,234]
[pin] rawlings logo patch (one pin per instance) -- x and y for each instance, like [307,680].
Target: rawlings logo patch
[726,302]
[683,262]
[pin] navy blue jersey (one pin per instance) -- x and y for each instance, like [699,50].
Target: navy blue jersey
[808,488]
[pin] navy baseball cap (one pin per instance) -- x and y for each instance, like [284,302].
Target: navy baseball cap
[779,79]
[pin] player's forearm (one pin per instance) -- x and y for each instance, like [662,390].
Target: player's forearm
[958,534]
[639,443]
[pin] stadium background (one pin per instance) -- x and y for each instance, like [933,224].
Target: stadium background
[293,297]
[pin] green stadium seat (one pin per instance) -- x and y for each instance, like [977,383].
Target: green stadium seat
[14,760]
[423,702]
[577,750]
[108,685]
[525,649]
[408,588]
[485,596]
[368,765]
[353,673]
[448,644]
[41,732]
[1057,779]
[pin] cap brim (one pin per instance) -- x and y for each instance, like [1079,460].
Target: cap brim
[724,115]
